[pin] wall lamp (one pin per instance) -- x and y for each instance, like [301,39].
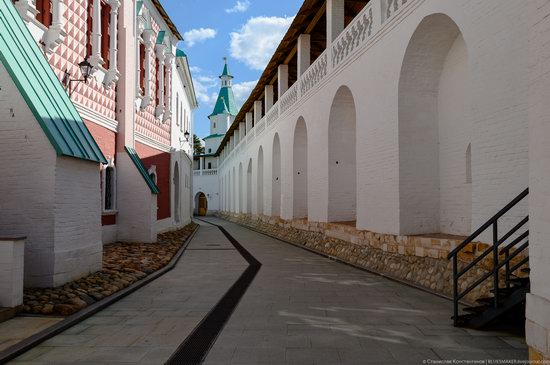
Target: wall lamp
[85,69]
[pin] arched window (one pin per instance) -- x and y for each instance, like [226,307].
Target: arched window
[109,186]
[153,173]
[210,150]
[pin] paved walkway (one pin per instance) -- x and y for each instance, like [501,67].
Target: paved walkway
[300,309]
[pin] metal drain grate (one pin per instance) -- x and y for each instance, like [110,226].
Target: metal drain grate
[195,348]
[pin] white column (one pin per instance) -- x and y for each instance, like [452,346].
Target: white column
[304,52]
[249,117]
[257,111]
[335,19]
[95,59]
[55,35]
[159,111]
[242,129]
[268,97]
[113,74]
[148,41]
[168,88]
[282,76]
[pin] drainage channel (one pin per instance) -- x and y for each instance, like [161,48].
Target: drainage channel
[196,346]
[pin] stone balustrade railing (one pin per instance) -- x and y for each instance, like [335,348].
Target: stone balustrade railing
[354,36]
[205,172]
[261,125]
[290,97]
[273,113]
[314,74]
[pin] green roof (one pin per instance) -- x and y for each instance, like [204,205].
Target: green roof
[180,53]
[225,103]
[142,170]
[41,89]
[213,136]
[160,37]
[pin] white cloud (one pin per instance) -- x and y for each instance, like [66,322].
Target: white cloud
[256,41]
[242,90]
[198,35]
[240,7]
[195,69]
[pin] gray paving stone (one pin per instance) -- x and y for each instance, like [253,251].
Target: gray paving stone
[301,309]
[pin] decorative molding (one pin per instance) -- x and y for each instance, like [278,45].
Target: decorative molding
[140,137]
[96,117]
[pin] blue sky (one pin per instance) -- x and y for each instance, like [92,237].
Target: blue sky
[245,31]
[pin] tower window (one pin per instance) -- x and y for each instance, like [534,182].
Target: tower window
[209,165]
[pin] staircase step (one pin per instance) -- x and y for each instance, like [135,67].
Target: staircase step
[519,281]
[476,310]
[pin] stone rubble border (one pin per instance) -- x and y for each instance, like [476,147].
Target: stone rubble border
[341,261]
[36,339]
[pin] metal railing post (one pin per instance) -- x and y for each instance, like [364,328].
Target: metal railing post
[495,263]
[455,289]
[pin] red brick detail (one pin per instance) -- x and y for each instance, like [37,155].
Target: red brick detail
[105,138]
[151,156]
[108,220]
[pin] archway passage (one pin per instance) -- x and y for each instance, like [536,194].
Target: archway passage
[435,131]
[341,158]
[201,203]
[300,172]
[249,187]
[177,199]
[260,182]
[276,178]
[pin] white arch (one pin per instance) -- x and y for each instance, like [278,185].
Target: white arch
[260,182]
[300,173]
[249,187]
[276,177]
[342,182]
[435,130]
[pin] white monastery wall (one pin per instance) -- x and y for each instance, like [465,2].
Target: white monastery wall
[26,210]
[77,216]
[538,301]
[390,197]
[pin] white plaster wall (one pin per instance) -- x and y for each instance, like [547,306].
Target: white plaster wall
[77,220]
[538,302]
[494,32]
[210,186]
[455,193]
[27,183]
[137,206]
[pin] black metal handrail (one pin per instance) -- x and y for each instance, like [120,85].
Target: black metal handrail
[492,222]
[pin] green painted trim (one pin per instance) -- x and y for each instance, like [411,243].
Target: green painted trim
[142,170]
[213,136]
[42,91]
[160,37]
[139,7]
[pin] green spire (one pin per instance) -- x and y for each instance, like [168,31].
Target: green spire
[225,69]
[226,100]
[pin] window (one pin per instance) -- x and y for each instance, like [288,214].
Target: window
[210,150]
[214,124]
[44,14]
[157,87]
[109,187]
[89,28]
[142,67]
[210,163]
[105,33]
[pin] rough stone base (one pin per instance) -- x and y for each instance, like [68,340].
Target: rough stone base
[418,260]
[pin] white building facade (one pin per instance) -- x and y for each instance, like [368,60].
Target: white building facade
[402,119]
